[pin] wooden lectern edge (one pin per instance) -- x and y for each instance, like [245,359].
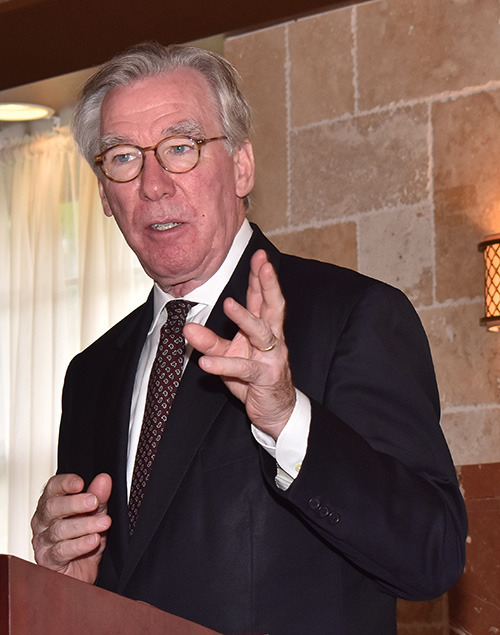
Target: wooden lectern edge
[39,601]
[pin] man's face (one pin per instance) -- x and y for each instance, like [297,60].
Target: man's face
[180,226]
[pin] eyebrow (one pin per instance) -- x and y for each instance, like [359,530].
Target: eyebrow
[108,141]
[189,128]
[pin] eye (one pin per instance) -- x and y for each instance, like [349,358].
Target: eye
[123,157]
[177,154]
[180,149]
[176,146]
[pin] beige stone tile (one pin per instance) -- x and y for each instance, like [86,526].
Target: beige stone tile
[260,59]
[321,67]
[415,48]
[396,247]
[459,265]
[473,435]
[361,164]
[466,189]
[466,356]
[331,243]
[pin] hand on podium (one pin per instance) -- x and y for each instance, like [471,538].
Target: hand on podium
[69,525]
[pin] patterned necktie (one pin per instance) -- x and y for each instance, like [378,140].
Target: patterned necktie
[164,380]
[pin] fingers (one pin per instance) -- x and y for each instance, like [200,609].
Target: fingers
[59,555]
[254,364]
[254,292]
[263,332]
[272,346]
[69,524]
[260,323]
[61,497]
[63,484]
[205,340]
[78,558]
[101,487]
[236,368]
[264,297]
[70,530]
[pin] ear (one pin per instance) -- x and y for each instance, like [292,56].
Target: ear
[244,166]
[104,199]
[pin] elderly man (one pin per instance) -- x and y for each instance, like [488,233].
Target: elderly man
[299,481]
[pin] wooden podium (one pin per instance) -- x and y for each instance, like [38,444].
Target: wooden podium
[36,601]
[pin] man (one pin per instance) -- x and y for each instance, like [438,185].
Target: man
[302,482]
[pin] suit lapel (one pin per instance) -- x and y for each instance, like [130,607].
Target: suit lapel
[110,449]
[189,420]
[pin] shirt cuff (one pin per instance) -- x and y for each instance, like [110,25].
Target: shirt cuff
[290,448]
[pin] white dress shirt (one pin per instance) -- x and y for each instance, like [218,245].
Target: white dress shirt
[291,446]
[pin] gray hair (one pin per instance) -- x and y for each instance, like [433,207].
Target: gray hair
[149,59]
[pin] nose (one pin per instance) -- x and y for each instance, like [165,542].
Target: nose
[155,181]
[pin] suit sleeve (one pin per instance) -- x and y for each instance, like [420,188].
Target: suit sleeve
[377,482]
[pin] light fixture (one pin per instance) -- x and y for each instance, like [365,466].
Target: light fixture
[24,112]
[490,247]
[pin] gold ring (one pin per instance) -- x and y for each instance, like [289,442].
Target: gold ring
[270,348]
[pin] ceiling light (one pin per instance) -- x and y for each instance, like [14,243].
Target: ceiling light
[24,112]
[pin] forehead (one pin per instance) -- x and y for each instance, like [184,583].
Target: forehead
[159,102]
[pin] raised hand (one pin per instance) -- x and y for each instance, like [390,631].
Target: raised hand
[69,526]
[254,364]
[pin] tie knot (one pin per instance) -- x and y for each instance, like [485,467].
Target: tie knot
[177,310]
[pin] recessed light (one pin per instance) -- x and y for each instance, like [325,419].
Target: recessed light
[24,112]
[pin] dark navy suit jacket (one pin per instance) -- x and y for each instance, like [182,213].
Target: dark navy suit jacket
[375,512]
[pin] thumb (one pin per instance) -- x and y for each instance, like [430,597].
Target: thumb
[101,487]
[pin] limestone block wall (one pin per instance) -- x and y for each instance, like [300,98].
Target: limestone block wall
[377,140]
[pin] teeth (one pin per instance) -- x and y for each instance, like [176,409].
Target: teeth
[164,226]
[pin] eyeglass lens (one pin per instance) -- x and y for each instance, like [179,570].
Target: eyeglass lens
[176,154]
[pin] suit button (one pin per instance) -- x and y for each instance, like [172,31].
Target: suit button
[334,518]
[314,503]
[323,511]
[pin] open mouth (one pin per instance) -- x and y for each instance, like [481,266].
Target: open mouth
[164,226]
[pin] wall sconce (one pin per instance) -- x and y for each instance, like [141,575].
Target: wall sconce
[491,251]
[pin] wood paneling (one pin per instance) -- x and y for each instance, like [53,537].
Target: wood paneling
[46,38]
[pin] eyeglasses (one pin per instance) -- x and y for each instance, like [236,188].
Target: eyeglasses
[177,154]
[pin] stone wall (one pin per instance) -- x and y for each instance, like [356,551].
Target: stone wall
[377,140]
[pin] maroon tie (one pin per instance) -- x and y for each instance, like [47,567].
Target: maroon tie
[164,380]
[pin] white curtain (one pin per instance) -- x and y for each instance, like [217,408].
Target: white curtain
[66,276]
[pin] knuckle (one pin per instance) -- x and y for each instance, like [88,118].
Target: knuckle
[50,486]
[41,556]
[35,522]
[40,518]
[48,509]
[54,532]
[57,553]
[35,542]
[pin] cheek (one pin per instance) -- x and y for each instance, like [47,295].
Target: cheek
[120,203]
